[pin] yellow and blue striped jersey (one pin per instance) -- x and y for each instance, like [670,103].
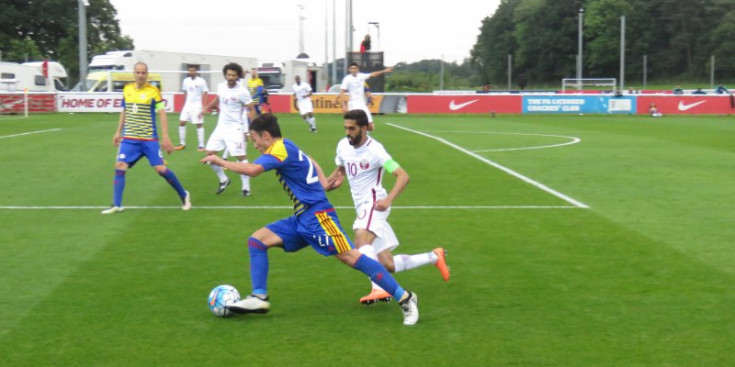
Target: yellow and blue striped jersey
[140,112]
[255,87]
[295,172]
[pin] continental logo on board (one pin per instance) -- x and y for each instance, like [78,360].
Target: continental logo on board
[325,103]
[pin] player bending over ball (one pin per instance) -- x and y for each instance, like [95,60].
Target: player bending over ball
[314,222]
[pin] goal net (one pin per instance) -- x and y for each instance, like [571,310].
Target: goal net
[589,84]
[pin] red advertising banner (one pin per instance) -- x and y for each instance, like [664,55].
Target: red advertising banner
[37,102]
[688,104]
[464,104]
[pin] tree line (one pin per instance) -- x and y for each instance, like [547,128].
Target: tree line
[48,29]
[677,38]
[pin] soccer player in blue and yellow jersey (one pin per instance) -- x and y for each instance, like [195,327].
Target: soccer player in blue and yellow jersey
[314,222]
[137,136]
[256,89]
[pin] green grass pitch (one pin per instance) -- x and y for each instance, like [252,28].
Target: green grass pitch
[573,241]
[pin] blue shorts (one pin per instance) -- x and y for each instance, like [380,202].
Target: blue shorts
[316,227]
[132,150]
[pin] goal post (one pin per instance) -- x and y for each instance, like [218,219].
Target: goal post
[604,84]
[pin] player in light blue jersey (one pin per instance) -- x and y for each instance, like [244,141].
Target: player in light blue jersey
[314,222]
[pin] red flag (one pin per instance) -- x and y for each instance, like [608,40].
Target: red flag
[44,68]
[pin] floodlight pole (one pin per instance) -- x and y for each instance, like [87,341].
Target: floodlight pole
[301,28]
[712,73]
[334,41]
[579,49]
[83,43]
[622,53]
[348,34]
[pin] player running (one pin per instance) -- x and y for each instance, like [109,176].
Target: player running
[314,222]
[363,160]
[302,102]
[353,84]
[235,106]
[196,93]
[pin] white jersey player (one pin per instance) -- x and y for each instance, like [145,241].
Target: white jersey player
[302,102]
[235,108]
[364,161]
[353,84]
[196,90]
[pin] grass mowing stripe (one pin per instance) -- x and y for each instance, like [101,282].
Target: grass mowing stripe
[500,167]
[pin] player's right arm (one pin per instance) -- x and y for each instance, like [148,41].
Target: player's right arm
[117,138]
[341,101]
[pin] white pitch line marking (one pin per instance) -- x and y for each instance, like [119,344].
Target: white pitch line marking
[573,140]
[498,166]
[29,133]
[240,207]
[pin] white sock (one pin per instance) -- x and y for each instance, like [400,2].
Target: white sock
[245,178]
[220,172]
[200,136]
[408,262]
[312,122]
[369,251]
[182,135]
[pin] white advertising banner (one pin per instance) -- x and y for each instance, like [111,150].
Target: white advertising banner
[98,102]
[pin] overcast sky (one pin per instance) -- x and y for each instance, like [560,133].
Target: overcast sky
[410,30]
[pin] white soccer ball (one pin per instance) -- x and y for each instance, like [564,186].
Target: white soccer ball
[220,297]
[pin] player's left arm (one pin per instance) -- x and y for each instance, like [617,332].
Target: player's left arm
[320,174]
[166,144]
[244,168]
[402,180]
[380,72]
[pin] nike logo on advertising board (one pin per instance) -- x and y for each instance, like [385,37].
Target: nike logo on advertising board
[684,107]
[454,107]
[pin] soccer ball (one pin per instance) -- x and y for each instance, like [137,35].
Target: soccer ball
[220,297]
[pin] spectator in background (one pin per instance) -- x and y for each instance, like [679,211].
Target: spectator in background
[365,45]
[721,89]
[678,90]
[653,110]
[699,91]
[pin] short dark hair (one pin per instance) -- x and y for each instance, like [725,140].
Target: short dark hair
[234,67]
[266,122]
[353,64]
[357,115]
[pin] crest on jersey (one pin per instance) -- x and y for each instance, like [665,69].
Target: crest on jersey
[364,164]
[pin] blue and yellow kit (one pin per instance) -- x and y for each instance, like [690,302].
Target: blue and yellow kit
[140,112]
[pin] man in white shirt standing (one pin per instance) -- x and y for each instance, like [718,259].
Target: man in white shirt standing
[235,111]
[196,94]
[364,161]
[354,85]
[302,102]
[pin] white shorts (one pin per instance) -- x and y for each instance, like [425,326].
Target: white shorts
[193,114]
[305,106]
[231,138]
[358,105]
[376,222]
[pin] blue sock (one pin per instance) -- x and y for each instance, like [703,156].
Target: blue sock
[118,187]
[378,274]
[258,266]
[174,182]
